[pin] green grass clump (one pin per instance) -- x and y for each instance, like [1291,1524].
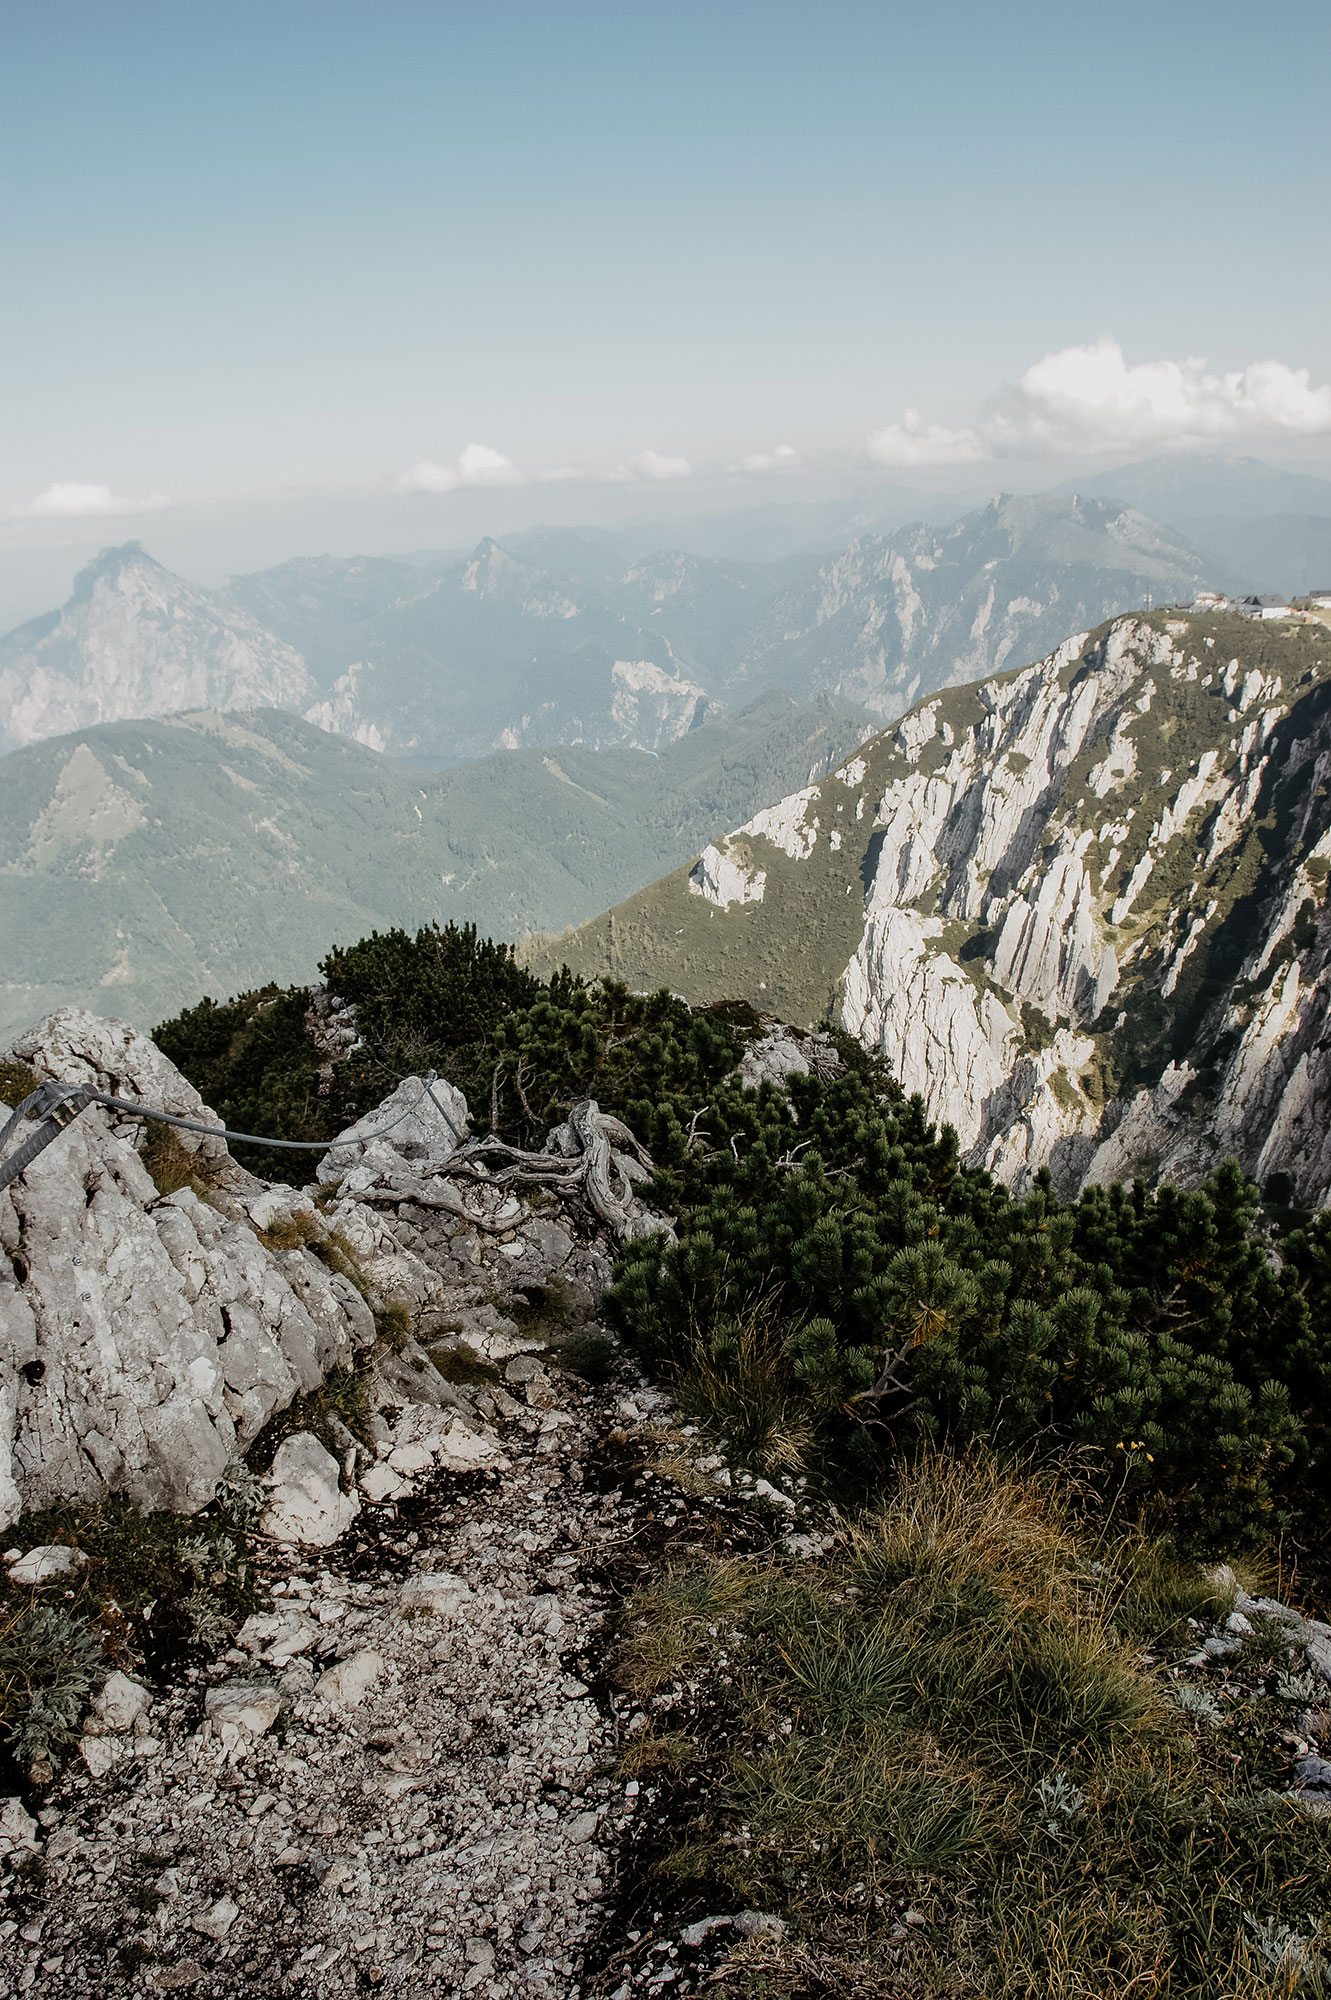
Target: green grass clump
[172,1166]
[152,1585]
[340,1403]
[17,1081]
[587,1353]
[459,1362]
[965,1710]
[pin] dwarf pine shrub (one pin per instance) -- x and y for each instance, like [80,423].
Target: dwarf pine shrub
[842,1289]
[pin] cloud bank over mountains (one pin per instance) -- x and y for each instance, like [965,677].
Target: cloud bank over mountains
[481,465]
[1079,402]
[1090,400]
[75,499]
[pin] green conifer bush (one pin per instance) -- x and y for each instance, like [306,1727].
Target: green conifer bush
[842,1289]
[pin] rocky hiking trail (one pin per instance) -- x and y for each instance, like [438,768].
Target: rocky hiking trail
[402,1773]
[404,1780]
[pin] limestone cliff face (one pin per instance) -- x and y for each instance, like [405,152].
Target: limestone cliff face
[148,1330]
[1080,908]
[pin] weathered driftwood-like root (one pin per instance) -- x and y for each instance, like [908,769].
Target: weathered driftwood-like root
[592,1153]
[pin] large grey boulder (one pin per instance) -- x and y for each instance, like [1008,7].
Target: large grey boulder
[145,1338]
[74,1046]
[421,1141]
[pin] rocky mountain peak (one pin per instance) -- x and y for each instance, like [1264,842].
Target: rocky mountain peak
[110,564]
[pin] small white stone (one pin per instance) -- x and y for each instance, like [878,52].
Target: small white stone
[117,1706]
[18,1830]
[440,1593]
[308,1504]
[381,1483]
[410,1458]
[246,1706]
[102,1753]
[461,1450]
[216,1922]
[40,1565]
[347,1684]
[277,1636]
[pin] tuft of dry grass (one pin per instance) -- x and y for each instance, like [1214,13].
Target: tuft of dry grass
[964,1709]
[17,1081]
[737,1383]
[172,1166]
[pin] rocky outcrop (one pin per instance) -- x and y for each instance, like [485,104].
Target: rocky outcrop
[146,1336]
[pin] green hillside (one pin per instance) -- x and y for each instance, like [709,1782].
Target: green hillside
[143,864]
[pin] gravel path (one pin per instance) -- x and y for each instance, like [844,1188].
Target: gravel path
[434,1810]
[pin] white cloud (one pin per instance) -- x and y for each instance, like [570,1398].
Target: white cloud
[913,442]
[784,458]
[74,499]
[1088,399]
[477,465]
[652,465]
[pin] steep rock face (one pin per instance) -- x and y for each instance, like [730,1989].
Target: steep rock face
[145,1338]
[134,640]
[1081,908]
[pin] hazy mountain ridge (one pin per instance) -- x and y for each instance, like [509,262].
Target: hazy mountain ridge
[897,616]
[145,863]
[547,646]
[1081,908]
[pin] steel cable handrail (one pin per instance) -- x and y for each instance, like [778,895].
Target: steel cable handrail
[56,1105]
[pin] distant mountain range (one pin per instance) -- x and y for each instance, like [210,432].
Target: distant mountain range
[1084,908]
[143,864]
[565,639]
[1268,527]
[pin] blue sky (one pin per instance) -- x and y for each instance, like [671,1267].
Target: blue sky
[294,248]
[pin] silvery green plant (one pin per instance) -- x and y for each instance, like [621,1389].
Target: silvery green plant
[56,1659]
[1061,1804]
[209,1623]
[1195,1702]
[241,1493]
[1284,1948]
[1304,1689]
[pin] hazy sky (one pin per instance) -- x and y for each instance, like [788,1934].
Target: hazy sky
[250,249]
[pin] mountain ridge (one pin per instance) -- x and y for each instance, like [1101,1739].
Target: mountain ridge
[453,659]
[143,863]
